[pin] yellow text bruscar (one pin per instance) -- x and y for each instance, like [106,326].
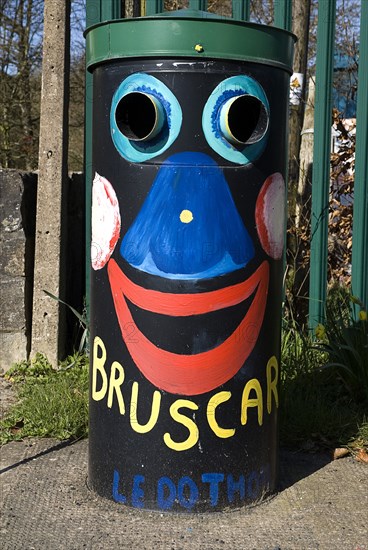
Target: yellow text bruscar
[110,387]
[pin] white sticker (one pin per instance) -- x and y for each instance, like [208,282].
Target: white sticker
[296,88]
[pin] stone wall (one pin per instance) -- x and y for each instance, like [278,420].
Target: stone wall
[18,192]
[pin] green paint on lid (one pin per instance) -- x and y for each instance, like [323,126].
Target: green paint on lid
[192,14]
[191,34]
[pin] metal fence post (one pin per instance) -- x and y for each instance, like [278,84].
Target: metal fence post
[360,224]
[198,4]
[282,11]
[241,9]
[152,7]
[321,160]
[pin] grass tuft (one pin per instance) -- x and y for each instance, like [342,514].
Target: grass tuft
[324,389]
[52,403]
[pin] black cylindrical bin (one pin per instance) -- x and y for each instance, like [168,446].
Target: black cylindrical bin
[188,214]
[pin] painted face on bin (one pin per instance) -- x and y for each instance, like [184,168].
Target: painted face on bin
[189,257]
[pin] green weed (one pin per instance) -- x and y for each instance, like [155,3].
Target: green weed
[315,406]
[82,319]
[344,338]
[52,403]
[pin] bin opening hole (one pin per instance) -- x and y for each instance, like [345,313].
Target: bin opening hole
[136,116]
[247,120]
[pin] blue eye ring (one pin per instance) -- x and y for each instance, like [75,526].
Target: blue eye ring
[238,143]
[139,140]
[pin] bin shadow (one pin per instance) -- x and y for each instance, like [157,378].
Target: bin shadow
[296,465]
[44,452]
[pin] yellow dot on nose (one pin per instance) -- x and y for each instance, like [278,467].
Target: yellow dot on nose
[186,216]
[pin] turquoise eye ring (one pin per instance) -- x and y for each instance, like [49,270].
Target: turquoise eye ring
[236,119]
[145,118]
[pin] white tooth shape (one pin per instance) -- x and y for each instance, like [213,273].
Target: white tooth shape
[105,221]
[270,215]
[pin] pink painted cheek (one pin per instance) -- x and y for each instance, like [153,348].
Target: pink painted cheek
[105,221]
[270,215]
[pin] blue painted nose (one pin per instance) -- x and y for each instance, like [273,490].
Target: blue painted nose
[188,226]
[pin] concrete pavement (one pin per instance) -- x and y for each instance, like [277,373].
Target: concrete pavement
[46,505]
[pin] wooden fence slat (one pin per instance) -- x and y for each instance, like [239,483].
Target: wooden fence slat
[360,220]
[321,160]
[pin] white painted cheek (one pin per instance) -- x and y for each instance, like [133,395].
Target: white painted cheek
[105,221]
[270,215]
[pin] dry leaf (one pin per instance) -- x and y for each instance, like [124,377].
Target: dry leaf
[340,452]
[362,456]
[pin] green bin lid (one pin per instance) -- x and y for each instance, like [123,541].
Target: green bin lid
[191,34]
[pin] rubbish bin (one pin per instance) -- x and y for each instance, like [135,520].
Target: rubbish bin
[188,213]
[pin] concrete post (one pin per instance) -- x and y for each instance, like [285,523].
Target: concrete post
[306,159]
[47,325]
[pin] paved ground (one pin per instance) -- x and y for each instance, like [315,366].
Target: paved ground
[46,505]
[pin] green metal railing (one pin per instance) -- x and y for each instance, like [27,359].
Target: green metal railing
[283,9]
[241,10]
[152,7]
[198,4]
[101,10]
[321,161]
[360,224]
[321,165]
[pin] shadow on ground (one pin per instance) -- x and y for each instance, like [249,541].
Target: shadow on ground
[297,465]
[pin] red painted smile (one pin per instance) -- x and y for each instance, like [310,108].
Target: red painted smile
[201,372]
